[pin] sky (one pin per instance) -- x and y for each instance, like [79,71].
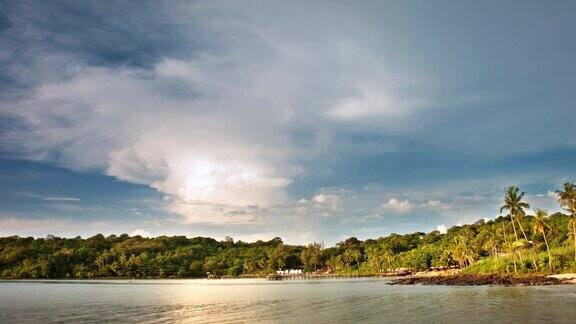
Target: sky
[307,120]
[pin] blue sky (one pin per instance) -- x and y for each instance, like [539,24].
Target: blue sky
[313,121]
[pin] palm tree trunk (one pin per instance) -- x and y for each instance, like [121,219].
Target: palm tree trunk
[514,261]
[504,232]
[526,238]
[547,250]
[506,242]
[516,236]
[514,227]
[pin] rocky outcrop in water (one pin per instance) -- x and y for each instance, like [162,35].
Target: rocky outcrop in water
[472,280]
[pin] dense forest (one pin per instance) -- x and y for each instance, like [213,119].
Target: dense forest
[519,241]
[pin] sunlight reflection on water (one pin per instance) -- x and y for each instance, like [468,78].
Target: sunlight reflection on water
[251,300]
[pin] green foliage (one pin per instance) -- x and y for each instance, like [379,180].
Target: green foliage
[516,242]
[311,257]
[561,260]
[479,247]
[137,257]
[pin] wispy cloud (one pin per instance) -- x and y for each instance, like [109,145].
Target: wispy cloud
[15,225]
[60,199]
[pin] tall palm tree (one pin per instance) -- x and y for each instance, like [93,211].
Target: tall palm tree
[515,206]
[567,199]
[519,217]
[508,246]
[540,226]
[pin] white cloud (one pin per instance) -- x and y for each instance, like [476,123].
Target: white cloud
[442,229]
[202,212]
[217,128]
[303,238]
[434,203]
[398,206]
[140,232]
[60,199]
[373,103]
[134,141]
[326,198]
[328,201]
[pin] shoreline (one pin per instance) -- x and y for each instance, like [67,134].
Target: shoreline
[263,277]
[429,279]
[453,277]
[484,280]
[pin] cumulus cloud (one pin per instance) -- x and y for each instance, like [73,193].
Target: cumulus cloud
[214,127]
[209,162]
[140,232]
[398,206]
[326,199]
[442,229]
[230,106]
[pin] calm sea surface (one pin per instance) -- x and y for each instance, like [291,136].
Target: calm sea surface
[250,300]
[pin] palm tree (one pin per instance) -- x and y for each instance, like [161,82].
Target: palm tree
[515,206]
[357,256]
[540,226]
[491,244]
[567,199]
[519,217]
[335,263]
[311,255]
[463,250]
[348,257]
[511,249]
[387,255]
[504,231]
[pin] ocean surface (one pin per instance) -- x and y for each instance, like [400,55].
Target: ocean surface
[301,301]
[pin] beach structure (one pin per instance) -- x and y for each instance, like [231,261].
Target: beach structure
[289,272]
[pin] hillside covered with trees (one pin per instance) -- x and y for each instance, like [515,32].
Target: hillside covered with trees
[520,241]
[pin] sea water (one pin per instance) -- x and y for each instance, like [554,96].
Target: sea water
[259,300]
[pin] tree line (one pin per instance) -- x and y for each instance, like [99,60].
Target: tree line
[519,241]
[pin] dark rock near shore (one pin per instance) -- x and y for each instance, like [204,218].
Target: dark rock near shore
[474,280]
